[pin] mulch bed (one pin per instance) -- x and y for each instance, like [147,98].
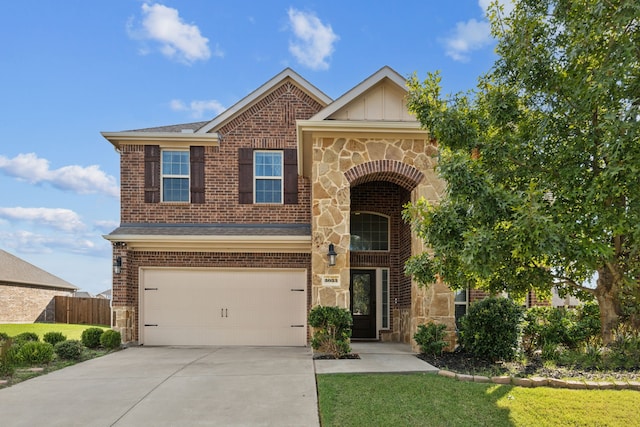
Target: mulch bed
[463,363]
[320,356]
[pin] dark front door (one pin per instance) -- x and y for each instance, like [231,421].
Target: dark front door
[363,303]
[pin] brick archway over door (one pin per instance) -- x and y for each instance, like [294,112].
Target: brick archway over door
[393,171]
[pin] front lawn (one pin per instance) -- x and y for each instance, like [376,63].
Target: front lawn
[427,399]
[18,362]
[72,332]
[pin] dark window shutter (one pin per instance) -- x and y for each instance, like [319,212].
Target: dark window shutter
[245,175]
[152,173]
[290,176]
[196,155]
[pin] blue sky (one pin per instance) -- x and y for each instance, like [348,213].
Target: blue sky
[73,68]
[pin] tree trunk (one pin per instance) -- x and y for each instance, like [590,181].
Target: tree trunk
[607,293]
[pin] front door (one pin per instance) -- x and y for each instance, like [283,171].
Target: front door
[363,303]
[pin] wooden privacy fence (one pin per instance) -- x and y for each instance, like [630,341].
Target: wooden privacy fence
[82,311]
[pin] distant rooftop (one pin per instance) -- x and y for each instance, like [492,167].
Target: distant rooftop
[16,270]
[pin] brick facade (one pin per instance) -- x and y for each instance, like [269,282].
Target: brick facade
[28,303]
[270,124]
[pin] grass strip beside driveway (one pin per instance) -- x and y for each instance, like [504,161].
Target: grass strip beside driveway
[427,399]
[72,332]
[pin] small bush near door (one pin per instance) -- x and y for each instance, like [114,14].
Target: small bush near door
[332,330]
[430,338]
[491,328]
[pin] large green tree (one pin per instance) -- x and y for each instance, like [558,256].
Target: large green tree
[541,160]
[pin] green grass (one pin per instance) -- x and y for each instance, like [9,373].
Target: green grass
[72,332]
[427,399]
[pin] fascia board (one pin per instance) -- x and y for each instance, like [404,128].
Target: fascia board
[117,139]
[368,83]
[244,244]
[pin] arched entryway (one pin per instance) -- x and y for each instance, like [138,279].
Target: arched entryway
[380,245]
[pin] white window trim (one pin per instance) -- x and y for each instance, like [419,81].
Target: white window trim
[380,297]
[163,176]
[279,178]
[465,302]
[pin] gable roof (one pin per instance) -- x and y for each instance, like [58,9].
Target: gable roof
[16,270]
[263,91]
[367,84]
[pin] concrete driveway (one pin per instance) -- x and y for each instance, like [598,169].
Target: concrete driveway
[171,386]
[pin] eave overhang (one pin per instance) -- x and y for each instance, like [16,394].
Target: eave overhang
[167,139]
[242,244]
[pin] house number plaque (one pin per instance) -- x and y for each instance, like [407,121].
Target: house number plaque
[330,279]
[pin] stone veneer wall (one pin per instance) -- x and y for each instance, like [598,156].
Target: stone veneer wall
[334,159]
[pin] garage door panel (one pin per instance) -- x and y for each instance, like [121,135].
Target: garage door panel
[224,307]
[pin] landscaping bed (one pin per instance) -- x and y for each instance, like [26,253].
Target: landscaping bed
[463,363]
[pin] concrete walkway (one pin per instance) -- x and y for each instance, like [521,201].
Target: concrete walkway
[171,386]
[376,357]
[188,386]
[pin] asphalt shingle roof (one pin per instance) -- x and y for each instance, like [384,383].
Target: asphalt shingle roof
[16,270]
[148,229]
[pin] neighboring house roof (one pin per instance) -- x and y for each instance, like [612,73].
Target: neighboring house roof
[83,294]
[16,270]
[105,294]
[238,237]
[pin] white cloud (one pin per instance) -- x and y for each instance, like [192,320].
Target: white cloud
[178,40]
[35,243]
[473,34]
[314,40]
[198,108]
[59,218]
[468,36]
[79,179]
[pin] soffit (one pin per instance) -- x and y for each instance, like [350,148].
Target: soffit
[254,238]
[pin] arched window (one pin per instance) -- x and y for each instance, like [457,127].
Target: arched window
[369,232]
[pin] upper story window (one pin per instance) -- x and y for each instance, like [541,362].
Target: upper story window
[175,176]
[268,176]
[369,232]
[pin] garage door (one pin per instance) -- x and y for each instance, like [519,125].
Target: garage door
[223,307]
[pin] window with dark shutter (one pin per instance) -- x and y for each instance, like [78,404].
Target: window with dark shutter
[290,177]
[245,175]
[197,174]
[152,173]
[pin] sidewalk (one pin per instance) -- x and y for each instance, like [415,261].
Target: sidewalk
[376,357]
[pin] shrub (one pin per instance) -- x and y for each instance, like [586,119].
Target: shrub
[491,328]
[546,328]
[4,336]
[35,353]
[69,350]
[26,337]
[54,338]
[430,338]
[332,330]
[8,358]
[110,339]
[91,337]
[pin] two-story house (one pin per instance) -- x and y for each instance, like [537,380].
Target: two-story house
[232,229]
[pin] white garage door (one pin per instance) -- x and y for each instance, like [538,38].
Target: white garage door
[223,307]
